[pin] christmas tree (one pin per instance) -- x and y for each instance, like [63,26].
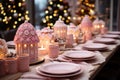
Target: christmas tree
[86,7]
[13,13]
[56,9]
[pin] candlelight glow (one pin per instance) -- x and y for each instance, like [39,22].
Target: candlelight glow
[25,45]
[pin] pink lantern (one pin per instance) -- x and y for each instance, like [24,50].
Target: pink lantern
[74,30]
[26,41]
[60,29]
[96,26]
[86,27]
[46,37]
[103,29]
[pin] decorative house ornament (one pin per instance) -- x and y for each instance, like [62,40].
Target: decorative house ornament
[60,29]
[26,41]
[74,30]
[86,27]
[86,24]
[46,37]
[103,29]
[96,26]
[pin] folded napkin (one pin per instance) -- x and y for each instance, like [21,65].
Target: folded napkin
[99,59]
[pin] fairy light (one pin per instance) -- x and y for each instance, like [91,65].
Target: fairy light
[27,12]
[54,14]
[9,6]
[46,12]
[51,2]
[58,5]
[14,26]
[51,17]
[19,4]
[19,14]
[14,11]
[15,22]
[14,6]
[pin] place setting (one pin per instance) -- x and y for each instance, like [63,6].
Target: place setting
[105,40]
[114,32]
[111,36]
[59,69]
[95,47]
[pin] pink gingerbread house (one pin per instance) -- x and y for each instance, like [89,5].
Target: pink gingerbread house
[26,41]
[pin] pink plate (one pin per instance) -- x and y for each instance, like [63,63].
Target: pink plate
[111,36]
[104,40]
[95,46]
[11,43]
[114,32]
[59,75]
[59,68]
[79,54]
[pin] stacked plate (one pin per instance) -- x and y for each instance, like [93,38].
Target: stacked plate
[111,36]
[105,40]
[114,32]
[11,44]
[95,47]
[79,55]
[59,69]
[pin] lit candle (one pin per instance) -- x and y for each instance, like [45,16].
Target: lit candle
[42,51]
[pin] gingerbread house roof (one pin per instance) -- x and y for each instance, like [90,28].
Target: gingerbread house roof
[26,34]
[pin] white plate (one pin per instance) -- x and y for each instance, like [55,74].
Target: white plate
[79,54]
[61,75]
[59,68]
[111,36]
[11,44]
[114,32]
[104,40]
[95,46]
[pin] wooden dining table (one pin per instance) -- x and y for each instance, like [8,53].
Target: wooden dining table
[97,68]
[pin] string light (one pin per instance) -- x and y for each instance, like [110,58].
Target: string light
[51,2]
[13,6]
[14,26]
[58,5]
[27,12]
[9,6]
[51,17]
[54,14]
[19,4]
[69,17]
[46,12]
[19,14]
[15,22]
[14,11]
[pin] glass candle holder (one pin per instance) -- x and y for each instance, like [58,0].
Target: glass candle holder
[53,51]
